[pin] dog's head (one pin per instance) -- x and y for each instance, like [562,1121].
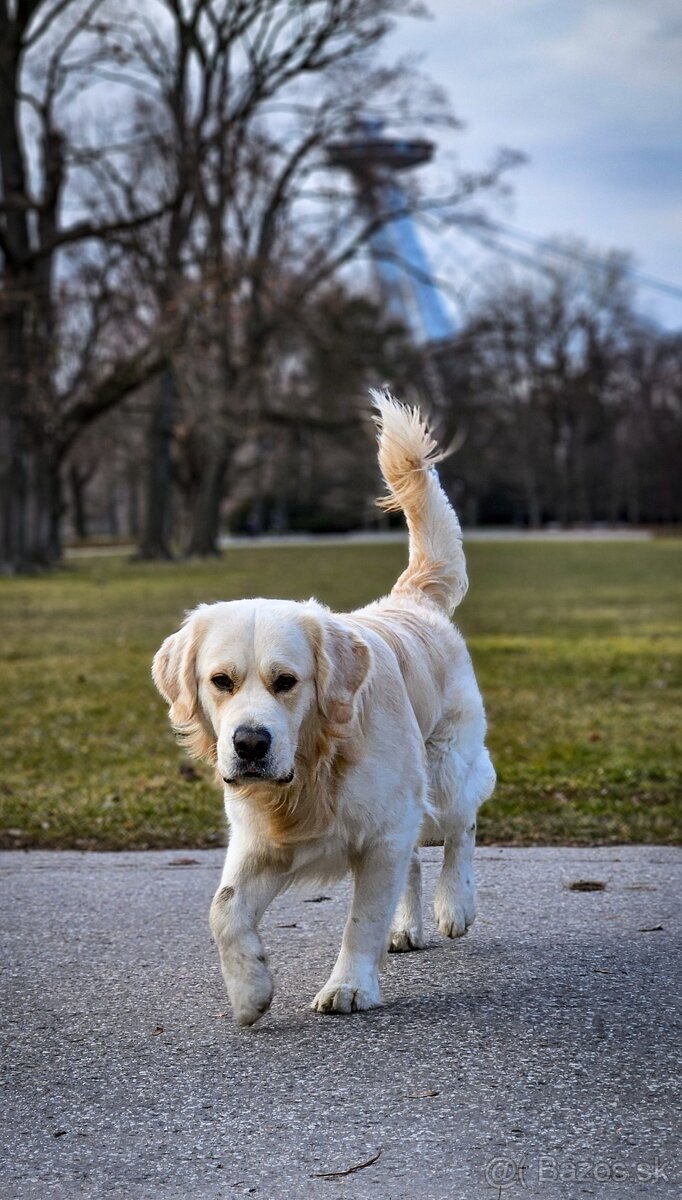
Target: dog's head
[247,679]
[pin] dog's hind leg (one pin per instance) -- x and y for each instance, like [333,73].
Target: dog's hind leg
[406,929]
[455,899]
[461,788]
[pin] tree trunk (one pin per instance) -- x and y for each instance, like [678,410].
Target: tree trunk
[632,502]
[77,485]
[533,508]
[40,505]
[530,488]
[113,523]
[14,357]
[155,537]
[133,501]
[203,540]
[583,508]
[562,486]
[13,549]
[55,504]
[14,451]
[30,494]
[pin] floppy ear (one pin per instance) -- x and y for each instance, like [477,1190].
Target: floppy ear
[174,673]
[343,661]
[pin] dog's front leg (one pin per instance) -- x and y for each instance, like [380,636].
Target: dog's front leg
[245,891]
[354,983]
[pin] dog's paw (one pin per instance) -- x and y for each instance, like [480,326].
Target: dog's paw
[454,914]
[403,940]
[452,922]
[251,996]
[346,998]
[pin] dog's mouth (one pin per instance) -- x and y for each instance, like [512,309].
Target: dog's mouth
[250,772]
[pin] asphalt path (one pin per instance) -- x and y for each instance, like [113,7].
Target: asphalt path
[537,1057]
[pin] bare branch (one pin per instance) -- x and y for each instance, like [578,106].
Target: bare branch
[84,231]
[40,28]
[121,380]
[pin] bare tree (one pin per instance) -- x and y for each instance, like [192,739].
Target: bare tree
[48,49]
[243,101]
[562,386]
[645,479]
[211,219]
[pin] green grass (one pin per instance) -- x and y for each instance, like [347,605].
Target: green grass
[576,646]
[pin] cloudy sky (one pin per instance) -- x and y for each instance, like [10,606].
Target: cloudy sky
[591,91]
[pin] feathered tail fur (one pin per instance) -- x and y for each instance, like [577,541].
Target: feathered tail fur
[408,455]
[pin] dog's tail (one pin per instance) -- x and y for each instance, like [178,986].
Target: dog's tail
[408,454]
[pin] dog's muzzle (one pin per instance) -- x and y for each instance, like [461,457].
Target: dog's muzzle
[252,746]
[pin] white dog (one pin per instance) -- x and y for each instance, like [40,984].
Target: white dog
[342,740]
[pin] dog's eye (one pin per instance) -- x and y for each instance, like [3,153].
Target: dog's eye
[223,683]
[284,683]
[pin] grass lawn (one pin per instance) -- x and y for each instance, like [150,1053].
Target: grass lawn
[576,645]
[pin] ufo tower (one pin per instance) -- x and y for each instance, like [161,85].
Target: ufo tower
[402,268]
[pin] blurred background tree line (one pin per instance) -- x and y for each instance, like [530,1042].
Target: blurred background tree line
[184,345]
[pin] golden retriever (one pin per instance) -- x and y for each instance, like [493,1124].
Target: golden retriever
[343,740]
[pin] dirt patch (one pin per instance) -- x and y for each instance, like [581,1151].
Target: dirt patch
[587,885]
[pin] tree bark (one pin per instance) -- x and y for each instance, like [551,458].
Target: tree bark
[133,502]
[203,539]
[26,463]
[77,486]
[55,504]
[155,536]
[30,488]
[13,448]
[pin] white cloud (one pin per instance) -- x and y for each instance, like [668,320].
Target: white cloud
[636,45]
[591,90]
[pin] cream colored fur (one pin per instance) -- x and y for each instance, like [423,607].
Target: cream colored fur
[378,743]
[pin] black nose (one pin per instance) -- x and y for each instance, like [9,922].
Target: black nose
[251,743]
